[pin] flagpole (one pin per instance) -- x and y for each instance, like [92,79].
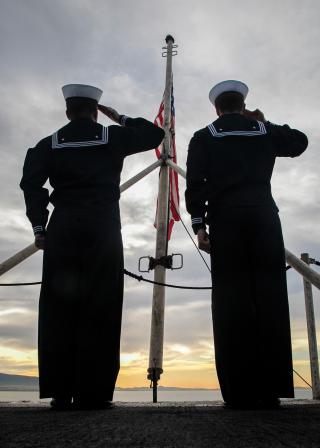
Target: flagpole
[158,304]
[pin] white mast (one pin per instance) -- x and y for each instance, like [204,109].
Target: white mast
[158,304]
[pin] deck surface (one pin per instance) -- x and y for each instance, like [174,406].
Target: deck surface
[167,425]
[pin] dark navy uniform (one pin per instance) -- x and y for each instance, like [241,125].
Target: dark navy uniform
[82,284]
[229,168]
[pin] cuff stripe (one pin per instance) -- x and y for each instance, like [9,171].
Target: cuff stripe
[196,220]
[38,229]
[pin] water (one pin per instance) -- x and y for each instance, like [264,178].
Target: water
[145,395]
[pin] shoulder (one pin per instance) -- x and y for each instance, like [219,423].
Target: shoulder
[40,153]
[200,138]
[201,134]
[115,131]
[200,141]
[118,135]
[273,127]
[44,144]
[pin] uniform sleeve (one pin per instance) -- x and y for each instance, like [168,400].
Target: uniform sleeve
[286,141]
[137,135]
[35,175]
[196,192]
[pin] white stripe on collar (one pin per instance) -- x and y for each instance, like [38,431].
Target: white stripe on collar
[262,131]
[102,141]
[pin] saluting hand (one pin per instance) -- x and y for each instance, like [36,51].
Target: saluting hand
[109,112]
[254,114]
[203,241]
[39,241]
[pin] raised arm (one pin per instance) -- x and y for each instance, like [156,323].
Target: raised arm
[287,142]
[135,134]
[138,135]
[35,175]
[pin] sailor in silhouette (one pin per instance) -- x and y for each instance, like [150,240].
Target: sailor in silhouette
[82,285]
[229,168]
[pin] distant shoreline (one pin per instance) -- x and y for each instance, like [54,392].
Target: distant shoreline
[119,389]
[126,389]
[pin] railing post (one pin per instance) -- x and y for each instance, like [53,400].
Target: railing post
[312,336]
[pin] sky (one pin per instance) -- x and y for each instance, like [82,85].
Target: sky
[117,46]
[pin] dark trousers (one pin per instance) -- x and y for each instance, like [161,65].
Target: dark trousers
[80,306]
[250,304]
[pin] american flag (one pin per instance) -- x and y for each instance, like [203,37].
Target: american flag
[173,175]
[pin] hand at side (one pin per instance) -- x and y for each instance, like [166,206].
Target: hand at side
[203,240]
[39,241]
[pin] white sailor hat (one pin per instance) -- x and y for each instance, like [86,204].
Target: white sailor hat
[81,91]
[228,86]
